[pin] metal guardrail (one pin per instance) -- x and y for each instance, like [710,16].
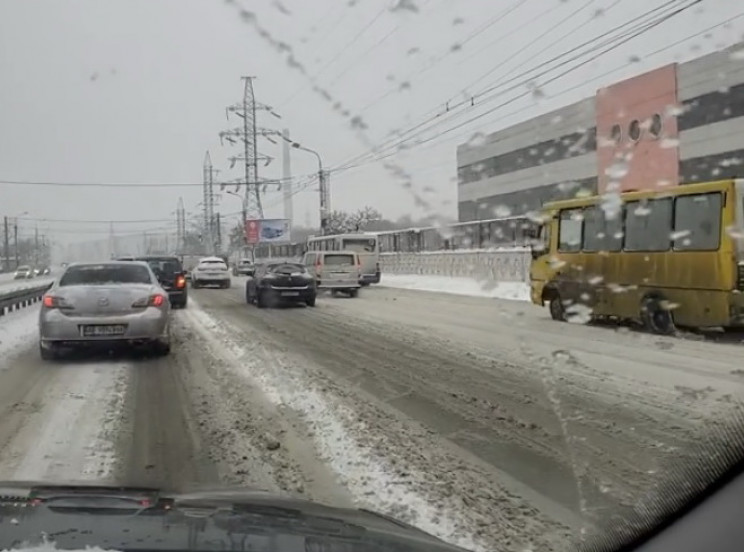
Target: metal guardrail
[14,300]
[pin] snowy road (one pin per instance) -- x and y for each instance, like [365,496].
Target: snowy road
[469,417]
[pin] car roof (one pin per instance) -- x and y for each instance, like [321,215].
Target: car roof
[211,259]
[109,263]
[157,258]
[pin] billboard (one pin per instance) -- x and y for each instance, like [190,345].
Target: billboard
[267,231]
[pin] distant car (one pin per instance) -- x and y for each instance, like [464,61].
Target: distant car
[335,271]
[169,272]
[211,271]
[23,273]
[244,267]
[271,233]
[104,305]
[46,271]
[282,282]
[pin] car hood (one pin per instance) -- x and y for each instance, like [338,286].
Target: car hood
[75,515]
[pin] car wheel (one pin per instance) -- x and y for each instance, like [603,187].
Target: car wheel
[194,284]
[353,292]
[557,310]
[248,296]
[364,284]
[311,301]
[228,284]
[161,348]
[48,353]
[260,299]
[656,318]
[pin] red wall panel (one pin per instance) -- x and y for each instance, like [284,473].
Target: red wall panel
[650,162]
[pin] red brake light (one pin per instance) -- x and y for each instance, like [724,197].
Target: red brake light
[156,300]
[180,282]
[54,302]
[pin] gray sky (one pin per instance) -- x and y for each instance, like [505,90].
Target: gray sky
[125,91]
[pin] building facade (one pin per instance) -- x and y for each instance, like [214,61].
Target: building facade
[675,125]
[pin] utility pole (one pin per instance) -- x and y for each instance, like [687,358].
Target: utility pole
[6,260]
[180,227]
[36,246]
[15,242]
[286,185]
[219,234]
[208,202]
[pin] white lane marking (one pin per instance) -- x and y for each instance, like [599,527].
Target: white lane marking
[72,436]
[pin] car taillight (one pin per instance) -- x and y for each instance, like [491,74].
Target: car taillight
[181,282]
[54,302]
[156,300]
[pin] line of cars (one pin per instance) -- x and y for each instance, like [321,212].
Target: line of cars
[26,272]
[284,281]
[120,304]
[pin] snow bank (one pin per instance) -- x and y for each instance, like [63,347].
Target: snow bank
[516,291]
[17,331]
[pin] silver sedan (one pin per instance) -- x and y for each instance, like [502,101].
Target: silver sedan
[105,305]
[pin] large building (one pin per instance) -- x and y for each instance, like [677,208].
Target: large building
[677,124]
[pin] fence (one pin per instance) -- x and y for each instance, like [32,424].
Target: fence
[503,265]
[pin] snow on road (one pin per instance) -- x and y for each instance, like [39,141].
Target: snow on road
[516,291]
[340,438]
[72,436]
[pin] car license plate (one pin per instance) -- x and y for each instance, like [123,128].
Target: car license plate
[103,331]
[290,293]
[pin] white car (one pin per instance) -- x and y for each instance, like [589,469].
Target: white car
[211,271]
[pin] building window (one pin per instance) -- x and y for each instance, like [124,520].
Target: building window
[634,130]
[656,125]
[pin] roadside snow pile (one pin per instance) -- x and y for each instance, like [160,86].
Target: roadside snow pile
[17,329]
[515,291]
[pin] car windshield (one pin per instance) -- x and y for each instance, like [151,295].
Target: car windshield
[474,265]
[98,275]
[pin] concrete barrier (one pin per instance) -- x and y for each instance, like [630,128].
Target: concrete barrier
[502,265]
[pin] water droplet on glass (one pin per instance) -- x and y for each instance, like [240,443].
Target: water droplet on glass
[735,232]
[667,143]
[617,170]
[642,211]
[555,120]
[596,280]
[674,110]
[679,234]
[634,59]
[501,211]
[556,263]
[476,140]
[578,314]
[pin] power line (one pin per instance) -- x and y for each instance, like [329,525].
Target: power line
[338,54]
[449,110]
[124,184]
[614,43]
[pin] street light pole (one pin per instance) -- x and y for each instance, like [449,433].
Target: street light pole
[325,196]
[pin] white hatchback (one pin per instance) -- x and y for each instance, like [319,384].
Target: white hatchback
[211,271]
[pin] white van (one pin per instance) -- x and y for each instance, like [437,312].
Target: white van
[335,270]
